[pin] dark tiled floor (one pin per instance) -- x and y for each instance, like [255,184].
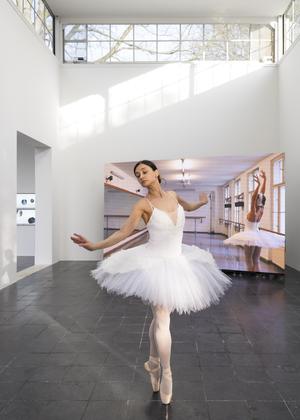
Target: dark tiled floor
[69,350]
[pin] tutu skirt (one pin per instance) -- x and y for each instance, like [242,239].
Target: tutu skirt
[188,282]
[259,238]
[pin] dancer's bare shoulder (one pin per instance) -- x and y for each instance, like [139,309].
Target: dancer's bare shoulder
[143,208]
[142,204]
[173,194]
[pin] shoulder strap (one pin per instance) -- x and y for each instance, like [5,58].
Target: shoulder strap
[152,207]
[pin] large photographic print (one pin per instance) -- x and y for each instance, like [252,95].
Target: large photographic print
[243,222]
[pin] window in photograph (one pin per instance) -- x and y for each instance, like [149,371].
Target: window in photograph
[238,210]
[278,195]
[227,201]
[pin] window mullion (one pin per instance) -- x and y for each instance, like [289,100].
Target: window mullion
[86,43]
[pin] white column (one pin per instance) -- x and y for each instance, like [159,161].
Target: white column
[43,223]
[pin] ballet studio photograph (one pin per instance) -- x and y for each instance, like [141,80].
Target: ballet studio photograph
[149,217]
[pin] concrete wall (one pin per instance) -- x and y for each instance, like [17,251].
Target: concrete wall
[130,112]
[29,86]
[289,94]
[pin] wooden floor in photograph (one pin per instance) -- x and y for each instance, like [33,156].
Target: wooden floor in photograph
[69,350]
[227,257]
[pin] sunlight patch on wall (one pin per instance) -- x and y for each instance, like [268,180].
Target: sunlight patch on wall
[148,93]
[211,74]
[81,119]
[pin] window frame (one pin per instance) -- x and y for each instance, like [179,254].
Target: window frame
[278,188]
[238,210]
[182,38]
[288,30]
[226,199]
[19,5]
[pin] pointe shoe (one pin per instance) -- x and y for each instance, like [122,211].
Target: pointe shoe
[166,386]
[153,368]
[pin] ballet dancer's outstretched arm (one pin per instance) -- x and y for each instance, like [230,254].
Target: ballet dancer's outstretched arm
[252,212]
[263,186]
[129,226]
[203,199]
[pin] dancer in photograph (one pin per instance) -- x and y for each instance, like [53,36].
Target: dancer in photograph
[164,273]
[252,238]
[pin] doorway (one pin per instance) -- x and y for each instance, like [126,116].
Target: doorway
[33,203]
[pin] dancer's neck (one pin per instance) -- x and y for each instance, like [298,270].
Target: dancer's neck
[155,191]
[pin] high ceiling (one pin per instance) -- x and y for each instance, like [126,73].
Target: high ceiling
[206,171]
[167,9]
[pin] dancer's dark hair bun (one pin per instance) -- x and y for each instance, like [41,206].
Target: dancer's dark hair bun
[260,200]
[148,163]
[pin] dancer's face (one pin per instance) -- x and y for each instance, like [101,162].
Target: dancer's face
[146,175]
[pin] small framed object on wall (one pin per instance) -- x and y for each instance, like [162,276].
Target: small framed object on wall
[25,201]
[25,209]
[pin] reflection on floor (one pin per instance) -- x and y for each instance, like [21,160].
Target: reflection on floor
[227,257]
[24,262]
[69,350]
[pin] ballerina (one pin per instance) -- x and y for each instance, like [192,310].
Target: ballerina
[253,239]
[168,275]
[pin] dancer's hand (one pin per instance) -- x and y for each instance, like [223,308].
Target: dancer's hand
[256,179]
[203,198]
[263,174]
[83,242]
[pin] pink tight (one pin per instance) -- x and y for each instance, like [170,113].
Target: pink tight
[160,336]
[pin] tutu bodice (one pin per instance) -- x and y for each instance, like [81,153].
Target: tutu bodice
[165,231]
[253,226]
[164,271]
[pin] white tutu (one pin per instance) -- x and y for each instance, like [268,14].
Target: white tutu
[164,271]
[252,236]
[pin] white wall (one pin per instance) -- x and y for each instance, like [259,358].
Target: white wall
[29,86]
[114,113]
[289,94]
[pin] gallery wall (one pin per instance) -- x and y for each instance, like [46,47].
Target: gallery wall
[111,113]
[130,112]
[289,111]
[29,86]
